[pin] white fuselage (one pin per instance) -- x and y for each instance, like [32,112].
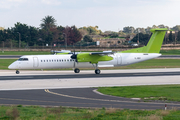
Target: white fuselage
[65,61]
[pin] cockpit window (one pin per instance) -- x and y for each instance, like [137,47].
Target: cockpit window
[23,59]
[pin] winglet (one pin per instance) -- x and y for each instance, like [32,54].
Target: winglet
[154,44]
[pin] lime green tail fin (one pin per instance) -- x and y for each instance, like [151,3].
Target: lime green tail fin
[154,44]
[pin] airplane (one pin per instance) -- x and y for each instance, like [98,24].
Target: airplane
[93,59]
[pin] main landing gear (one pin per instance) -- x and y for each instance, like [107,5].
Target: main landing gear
[97,71]
[76,70]
[17,72]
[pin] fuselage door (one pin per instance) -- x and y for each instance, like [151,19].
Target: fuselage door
[119,60]
[35,62]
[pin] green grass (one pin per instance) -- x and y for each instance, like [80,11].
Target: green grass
[154,92]
[154,63]
[170,52]
[163,52]
[62,113]
[4,63]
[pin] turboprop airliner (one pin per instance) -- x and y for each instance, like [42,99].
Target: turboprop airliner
[93,59]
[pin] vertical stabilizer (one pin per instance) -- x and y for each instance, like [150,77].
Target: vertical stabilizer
[154,44]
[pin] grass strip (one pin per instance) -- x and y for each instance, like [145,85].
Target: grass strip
[4,63]
[152,92]
[163,52]
[62,113]
[170,52]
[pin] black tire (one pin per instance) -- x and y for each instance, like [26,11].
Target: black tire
[76,70]
[17,72]
[97,71]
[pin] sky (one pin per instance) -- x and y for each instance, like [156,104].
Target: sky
[108,15]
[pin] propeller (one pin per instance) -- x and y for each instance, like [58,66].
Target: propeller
[74,57]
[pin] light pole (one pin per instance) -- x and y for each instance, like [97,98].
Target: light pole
[19,40]
[3,47]
[138,37]
[65,39]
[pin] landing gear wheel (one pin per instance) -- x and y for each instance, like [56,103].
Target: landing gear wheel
[17,72]
[97,71]
[76,70]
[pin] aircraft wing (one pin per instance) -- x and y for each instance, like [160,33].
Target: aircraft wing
[102,53]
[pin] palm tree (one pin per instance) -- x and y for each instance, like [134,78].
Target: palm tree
[48,22]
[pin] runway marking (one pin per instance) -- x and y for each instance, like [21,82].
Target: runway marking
[46,90]
[67,102]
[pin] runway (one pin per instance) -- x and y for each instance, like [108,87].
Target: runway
[65,88]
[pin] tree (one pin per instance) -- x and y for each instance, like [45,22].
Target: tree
[27,34]
[92,30]
[143,38]
[148,30]
[72,35]
[128,29]
[178,36]
[162,26]
[140,30]
[83,32]
[33,36]
[87,38]
[1,28]
[48,29]
[176,28]
[170,37]
[114,35]
[154,26]
[48,22]
[60,35]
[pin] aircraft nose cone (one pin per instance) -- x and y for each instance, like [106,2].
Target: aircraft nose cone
[12,66]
